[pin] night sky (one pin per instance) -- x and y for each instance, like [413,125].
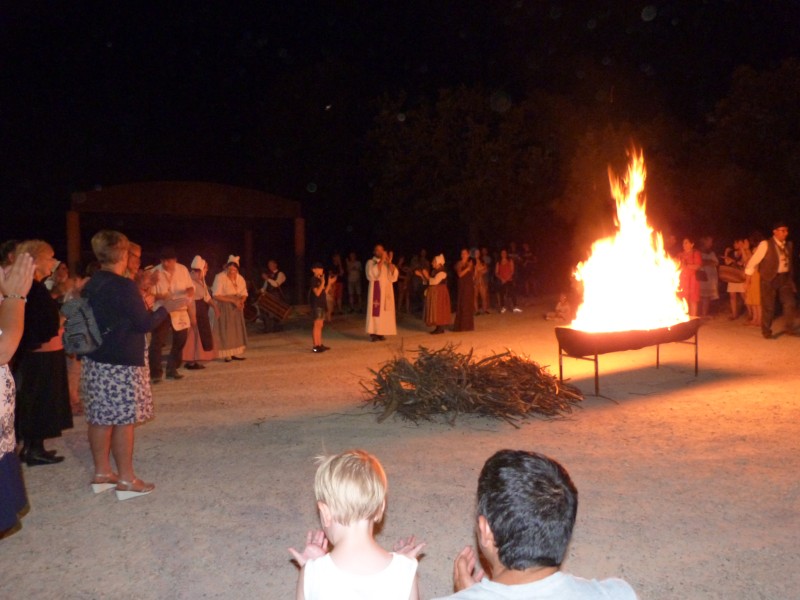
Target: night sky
[279,96]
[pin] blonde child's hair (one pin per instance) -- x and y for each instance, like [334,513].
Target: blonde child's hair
[353,486]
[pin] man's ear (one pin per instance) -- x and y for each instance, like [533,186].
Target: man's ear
[325,516]
[485,535]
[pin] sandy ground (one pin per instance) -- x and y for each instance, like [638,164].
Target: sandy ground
[688,486]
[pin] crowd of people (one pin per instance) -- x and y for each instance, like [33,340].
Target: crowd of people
[756,272]
[140,309]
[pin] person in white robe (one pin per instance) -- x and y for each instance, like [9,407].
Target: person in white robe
[381,274]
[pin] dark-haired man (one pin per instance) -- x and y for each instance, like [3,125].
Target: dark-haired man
[773,259]
[526,512]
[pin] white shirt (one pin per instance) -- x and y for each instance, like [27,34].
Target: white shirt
[223,286]
[323,580]
[175,283]
[761,252]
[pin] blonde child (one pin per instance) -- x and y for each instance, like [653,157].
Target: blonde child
[350,489]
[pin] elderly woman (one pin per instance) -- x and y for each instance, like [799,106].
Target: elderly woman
[43,408]
[437,296]
[230,292]
[115,378]
[14,287]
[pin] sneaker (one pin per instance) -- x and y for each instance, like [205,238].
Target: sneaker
[155,380]
[174,375]
[517,310]
[503,310]
[319,349]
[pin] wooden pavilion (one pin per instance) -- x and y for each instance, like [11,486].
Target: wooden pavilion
[216,218]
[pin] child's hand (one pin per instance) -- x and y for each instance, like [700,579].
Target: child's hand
[467,570]
[316,546]
[409,547]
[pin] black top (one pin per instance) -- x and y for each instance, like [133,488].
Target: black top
[42,320]
[119,309]
[315,301]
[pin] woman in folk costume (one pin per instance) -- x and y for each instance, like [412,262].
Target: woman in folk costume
[465,303]
[200,343]
[437,296]
[230,292]
[381,274]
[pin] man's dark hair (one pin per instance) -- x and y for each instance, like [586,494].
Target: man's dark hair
[167,253]
[530,504]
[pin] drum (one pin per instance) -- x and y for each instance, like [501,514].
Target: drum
[731,274]
[274,306]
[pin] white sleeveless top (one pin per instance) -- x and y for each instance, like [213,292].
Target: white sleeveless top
[323,580]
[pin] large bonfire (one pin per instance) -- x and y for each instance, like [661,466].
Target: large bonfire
[629,282]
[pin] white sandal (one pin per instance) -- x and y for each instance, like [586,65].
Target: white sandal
[133,489]
[103,482]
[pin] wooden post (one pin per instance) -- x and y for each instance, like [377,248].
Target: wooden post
[73,241]
[299,258]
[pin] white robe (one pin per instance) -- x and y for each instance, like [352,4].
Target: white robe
[384,323]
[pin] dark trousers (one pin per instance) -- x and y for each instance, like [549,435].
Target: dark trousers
[781,288]
[507,291]
[157,342]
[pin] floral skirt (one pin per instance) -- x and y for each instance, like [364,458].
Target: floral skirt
[115,394]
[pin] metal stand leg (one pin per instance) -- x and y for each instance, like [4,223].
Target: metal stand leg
[560,364]
[596,376]
[658,356]
[696,363]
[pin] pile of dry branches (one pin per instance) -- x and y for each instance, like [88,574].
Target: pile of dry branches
[445,383]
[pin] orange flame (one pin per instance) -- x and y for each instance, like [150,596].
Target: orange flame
[629,283]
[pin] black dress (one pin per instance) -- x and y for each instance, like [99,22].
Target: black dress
[42,408]
[465,303]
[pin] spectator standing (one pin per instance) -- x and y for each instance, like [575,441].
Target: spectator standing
[709,285]
[337,267]
[42,407]
[230,292]
[690,263]
[14,288]
[481,278]
[354,275]
[504,270]
[752,291]
[115,378]
[735,258]
[317,301]
[173,282]
[465,298]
